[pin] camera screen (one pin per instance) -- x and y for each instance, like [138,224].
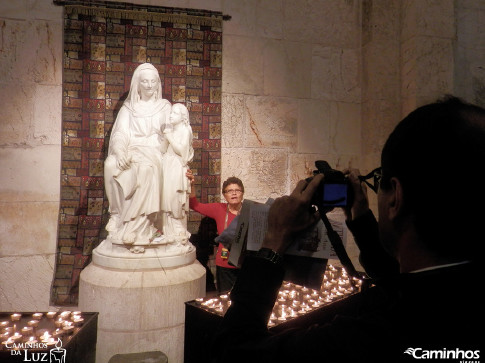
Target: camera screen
[335,195]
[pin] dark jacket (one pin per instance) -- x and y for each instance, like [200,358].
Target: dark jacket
[434,312]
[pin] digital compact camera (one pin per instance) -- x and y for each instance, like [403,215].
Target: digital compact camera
[335,190]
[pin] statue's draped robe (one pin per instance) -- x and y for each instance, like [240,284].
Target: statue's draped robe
[139,188]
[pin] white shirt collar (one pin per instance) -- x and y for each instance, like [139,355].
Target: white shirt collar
[440,266]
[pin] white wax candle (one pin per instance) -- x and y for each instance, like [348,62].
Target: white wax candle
[33,323]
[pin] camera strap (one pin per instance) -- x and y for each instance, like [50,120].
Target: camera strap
[339,248]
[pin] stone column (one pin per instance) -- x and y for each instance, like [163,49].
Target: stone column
[140,300]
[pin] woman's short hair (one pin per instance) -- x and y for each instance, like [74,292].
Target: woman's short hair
[232,180]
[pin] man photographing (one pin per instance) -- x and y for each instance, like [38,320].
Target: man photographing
[422,255]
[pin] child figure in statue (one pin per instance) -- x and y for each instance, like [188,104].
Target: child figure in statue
[176,186]
[133,169]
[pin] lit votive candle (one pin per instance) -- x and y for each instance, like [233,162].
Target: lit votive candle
[44,335]
[31,340]
[51,314]
[27,330]
[51,342]
[8,342]
[4,336]
[4,324]
[59,332]
[15,317]
[33,323]
[37,316]
[65,314]
[17,336]
[77,320]
[343,282]
[9,329]
[59,322]
[68,327]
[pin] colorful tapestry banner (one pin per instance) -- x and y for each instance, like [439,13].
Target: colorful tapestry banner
[103,44]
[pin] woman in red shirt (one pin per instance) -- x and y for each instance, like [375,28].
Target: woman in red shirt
[223,214]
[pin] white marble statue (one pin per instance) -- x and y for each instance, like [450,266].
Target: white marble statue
[176,186]
[133,170]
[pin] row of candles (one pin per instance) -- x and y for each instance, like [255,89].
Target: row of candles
[14,334]
[296,300]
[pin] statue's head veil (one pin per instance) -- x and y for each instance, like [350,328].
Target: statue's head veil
[134,94]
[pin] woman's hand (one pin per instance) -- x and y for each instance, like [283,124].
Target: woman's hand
[191,178]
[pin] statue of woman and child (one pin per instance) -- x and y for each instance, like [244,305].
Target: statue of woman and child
[145,171]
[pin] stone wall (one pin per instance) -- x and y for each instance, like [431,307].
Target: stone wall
[302,80]
[30,139]
[291,91]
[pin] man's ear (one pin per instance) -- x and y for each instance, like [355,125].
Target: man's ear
[395,201]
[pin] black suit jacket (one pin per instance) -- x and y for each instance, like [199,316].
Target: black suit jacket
[431,313]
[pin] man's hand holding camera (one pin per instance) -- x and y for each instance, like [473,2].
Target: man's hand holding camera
[360,203]
[290,215]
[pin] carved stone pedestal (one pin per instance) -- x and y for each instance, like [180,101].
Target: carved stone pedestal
[140,309]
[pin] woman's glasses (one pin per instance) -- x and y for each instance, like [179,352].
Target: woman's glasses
[232,191]
[376,175]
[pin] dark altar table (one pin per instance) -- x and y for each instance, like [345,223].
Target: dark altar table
[63,337]
[297,306]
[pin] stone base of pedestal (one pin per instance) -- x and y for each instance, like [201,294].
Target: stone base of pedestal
[140,310]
